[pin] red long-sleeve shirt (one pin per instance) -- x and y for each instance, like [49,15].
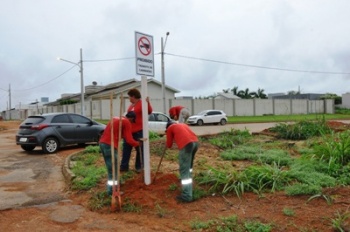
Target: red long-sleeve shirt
[181,134]
[175,111]
[126,133]
[137,108]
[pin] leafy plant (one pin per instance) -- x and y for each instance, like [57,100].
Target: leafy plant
[254,153]
[87,177]
[160,211]
[327,197]
[302,189]
[130,206]
[256,226]
[265,177]
[172,187]
[288,212]
[339,222]
[301,130]
[153,135]
[99,200]
[229,139]
[334,150]
[220,180]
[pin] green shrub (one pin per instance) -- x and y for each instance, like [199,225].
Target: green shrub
[302,189]
[230,139]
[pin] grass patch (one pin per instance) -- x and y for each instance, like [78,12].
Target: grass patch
[230,223]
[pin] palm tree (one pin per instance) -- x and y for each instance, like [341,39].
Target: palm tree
[235,90]
[292,92]
[260,94]
[244,94]
[226,90]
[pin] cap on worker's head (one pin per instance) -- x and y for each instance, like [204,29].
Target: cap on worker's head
[131,115]
[169,124]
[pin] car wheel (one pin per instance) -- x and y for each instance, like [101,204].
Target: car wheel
[50,145]
[28,147]
[222,121]
[200,122]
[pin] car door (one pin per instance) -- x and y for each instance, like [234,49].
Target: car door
[63,127]
[212,116]
[84,130]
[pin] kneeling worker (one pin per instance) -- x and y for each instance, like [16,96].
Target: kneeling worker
[187,142]
[179,113]
[105,145]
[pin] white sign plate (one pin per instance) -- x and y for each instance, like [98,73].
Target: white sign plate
[144,54]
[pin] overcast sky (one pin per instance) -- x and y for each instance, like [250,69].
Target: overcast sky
[275,45]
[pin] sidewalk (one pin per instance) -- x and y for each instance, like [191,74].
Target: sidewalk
[251,127]
[215,129]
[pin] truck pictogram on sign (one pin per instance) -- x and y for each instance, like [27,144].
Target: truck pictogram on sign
[144,46]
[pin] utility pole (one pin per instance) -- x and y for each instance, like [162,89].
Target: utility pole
[163,72]
[82,83]
[80,65]
[10,101]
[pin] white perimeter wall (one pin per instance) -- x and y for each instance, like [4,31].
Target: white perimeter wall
[100,109]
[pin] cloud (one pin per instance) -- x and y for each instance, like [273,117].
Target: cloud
[211,46]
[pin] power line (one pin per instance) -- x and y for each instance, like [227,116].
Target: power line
[37,86]
[257,66]
[193,58]
[126,58]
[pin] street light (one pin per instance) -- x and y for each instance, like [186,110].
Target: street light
[163,74]
[80,65]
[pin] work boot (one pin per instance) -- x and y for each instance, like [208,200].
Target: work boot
[180,199]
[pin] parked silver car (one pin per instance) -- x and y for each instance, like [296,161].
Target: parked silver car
[208,117]
[54,130]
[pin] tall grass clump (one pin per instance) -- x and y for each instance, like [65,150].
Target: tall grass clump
[223,180]
[334,150]
[257,154]
[229,139]
[265,178]
[301,130]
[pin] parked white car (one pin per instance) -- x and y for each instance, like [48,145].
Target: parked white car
[157,122]
[208,117]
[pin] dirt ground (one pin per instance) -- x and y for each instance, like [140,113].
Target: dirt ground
[160,211]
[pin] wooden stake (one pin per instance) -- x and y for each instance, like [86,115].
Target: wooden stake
[113,200]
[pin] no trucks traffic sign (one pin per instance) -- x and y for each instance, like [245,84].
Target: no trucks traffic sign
[144,54]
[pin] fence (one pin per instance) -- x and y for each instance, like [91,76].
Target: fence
[100,109]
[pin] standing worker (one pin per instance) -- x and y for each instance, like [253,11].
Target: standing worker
[137,130]
[105,145]
[179,113]
[187,142]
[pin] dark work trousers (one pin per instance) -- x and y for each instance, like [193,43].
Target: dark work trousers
[107,156]
[186,157]
[127,148]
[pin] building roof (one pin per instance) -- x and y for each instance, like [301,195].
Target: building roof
[104,92]
[227,96]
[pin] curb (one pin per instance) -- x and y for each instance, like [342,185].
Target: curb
[67,173]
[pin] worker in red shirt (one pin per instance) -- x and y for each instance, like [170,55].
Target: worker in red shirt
[105,145]
[137,130]
[187,143]
[179,113]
